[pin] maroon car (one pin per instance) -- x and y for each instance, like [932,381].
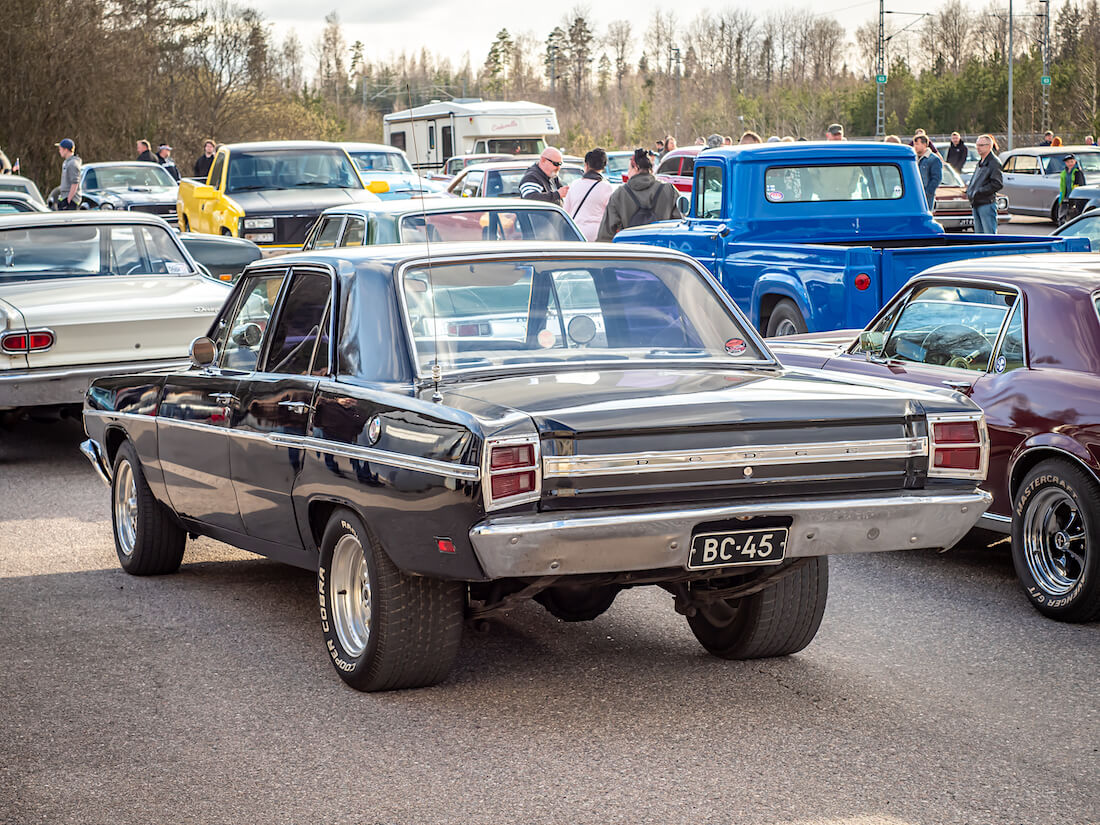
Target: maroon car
[1021,336]
[678,167]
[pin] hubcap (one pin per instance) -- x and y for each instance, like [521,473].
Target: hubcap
[1055,544]
[125,505]
[786,327]
[351,595]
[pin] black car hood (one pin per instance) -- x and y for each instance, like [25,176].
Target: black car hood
[299,200]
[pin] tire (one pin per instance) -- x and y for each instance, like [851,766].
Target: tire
[185,225]
[777,621]
[383,630]
[148,539]
[1056,541]
[577,604]
[786,319]
[1055,214]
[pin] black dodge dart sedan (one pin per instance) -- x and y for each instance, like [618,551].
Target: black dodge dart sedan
[443,433]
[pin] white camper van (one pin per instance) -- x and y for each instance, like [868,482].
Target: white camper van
[432,133]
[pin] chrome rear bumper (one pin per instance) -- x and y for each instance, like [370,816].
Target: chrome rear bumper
[90,449]
[610,541]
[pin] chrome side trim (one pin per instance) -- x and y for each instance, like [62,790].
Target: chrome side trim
[466,472]
[93,371]
[726,457]
[111,414]
[998,524]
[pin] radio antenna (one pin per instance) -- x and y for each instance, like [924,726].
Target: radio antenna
[437,371]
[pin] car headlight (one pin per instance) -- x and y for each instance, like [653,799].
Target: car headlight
[259,223]
[1002,203]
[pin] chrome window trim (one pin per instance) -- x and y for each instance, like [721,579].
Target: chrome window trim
[746,328]
[581,466]
[982,443]
[487,475]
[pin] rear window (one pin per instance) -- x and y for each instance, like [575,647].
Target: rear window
[44,252]
[847,182]
[488,225]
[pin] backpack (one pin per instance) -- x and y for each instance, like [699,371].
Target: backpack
[643,214]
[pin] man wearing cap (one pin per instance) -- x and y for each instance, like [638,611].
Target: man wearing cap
[834,131]
[1068,179]
[163,152]
[70,174]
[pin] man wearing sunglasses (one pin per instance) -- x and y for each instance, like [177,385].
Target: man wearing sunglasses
[540,182]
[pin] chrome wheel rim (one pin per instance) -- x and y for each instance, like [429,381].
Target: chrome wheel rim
[1055,542]
[785,327]
[351,595]
[125,506]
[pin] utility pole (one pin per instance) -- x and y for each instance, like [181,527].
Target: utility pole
[674,53]
[1045,80]
[880,74]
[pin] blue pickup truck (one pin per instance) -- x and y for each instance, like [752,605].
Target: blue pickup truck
[812,237]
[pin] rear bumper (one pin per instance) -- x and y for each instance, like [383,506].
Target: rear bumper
[619,540]
[65,385]
[90,449]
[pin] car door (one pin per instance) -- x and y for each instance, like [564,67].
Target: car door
[1031,185]
[198,405]
[275,403]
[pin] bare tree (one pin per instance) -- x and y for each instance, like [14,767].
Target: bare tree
[619,41]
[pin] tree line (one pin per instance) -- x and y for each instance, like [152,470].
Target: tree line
[107,72]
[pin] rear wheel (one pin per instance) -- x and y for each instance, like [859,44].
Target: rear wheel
[777,621]
[383,630]
[786,319]
[148,539]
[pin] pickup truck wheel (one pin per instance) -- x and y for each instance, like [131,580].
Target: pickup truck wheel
[786,319]
[1056,541]
[383,630]
[185,225]
[577,604]
[777,621]
[148,540]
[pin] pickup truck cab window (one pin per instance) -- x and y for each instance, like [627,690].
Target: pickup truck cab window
[240,332]
[252,170]
[835,182]
[301,328]
[708,192]
[215,177]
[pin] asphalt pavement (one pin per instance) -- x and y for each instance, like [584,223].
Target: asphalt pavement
[932,694]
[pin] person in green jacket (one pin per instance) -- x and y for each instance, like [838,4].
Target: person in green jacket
[1069,178]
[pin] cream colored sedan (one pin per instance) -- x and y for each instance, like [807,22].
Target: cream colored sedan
[90,294]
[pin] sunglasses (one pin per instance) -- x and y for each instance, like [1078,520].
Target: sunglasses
[554,163]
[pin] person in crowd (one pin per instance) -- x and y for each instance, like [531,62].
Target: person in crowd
[834,131]
[714,141]
[700,141]
[891,139]
[540,182]
[984,185]
[206,160]
[164,158]
[749,137]
[931,145]
[787,139]
[1090,140]
[659,148]
[1069,178]
[957,152]
[1057,141]
[5,164]
[145,152]
[587,199]
[772,139]
[727,140]
[930,166]
[670,144]
[70,174]
[1048,138]
[642,199]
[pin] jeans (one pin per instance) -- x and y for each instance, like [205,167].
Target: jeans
[985,219]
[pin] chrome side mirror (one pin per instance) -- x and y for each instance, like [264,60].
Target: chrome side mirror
[203,351]
[684,205]
[870,343]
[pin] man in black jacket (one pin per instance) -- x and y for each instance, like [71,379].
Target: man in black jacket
[540,182]
[957,153]
[145,152]
[984,185]
[205,161]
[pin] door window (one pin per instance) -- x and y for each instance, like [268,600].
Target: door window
[328,233]
[239,333]
[215,177]
[670,166]
[1024,165]
[1012,354]
[355,232]
[301,326]
[708,192]
[471,185]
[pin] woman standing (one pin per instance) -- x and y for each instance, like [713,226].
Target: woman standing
[587,199]
[642,199]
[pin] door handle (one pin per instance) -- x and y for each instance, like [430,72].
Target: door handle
[226,399]
[297,407]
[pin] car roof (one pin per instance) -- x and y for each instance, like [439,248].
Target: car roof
[1052,150]
[1074,272]
[495,165]
[21,179]
[816,151]
[371,147]
[29,219]
[435,204]
[101,164]
[271,145]
[681,152]
[17,195]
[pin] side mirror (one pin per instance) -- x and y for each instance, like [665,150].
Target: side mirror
[247,335]
[203,351]
[720,232]
[378,187]
[684,205]
[870,343]
[204,192]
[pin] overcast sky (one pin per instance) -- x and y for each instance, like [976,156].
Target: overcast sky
[451,29]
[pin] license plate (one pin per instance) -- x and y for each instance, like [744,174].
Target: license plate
[740,547]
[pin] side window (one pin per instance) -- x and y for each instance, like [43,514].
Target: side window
[1012,355]
[328,232]
[669,166]
[355,232]
[574,311]
[1027,165]
[708,192]
[126,257]
[299,328]
[398,139]
[471,185]
[239,334]
[215,177]
[164,256]
[1009,165]
[688,166]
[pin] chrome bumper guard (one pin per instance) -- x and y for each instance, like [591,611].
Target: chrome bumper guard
[608,541]
[91,452]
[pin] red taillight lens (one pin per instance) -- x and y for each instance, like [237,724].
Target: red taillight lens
[40,340]
[863,281]
[512,484]
[958,458]
[504,458]
[445,545]
[21,342]
[956,432]
[14,343]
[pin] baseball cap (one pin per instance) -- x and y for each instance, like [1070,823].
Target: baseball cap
[164,146]
[1070,156]
[835,129]
[66,144]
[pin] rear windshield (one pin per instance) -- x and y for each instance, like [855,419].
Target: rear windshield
[516,146]
[140,175]
[847,182]
[380,162]
[506,183]
[492,314]
[488,225]
[46,252]
[290,169]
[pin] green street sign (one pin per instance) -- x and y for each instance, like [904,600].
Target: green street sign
[1045,80]
[881,78]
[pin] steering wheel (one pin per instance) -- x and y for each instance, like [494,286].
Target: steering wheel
[948,338]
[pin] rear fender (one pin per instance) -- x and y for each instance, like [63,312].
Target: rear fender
[772,287]
[1048,445]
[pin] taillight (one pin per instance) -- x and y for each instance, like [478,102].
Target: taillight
[958,446]
[20,343]
[511,472]
[863,281]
